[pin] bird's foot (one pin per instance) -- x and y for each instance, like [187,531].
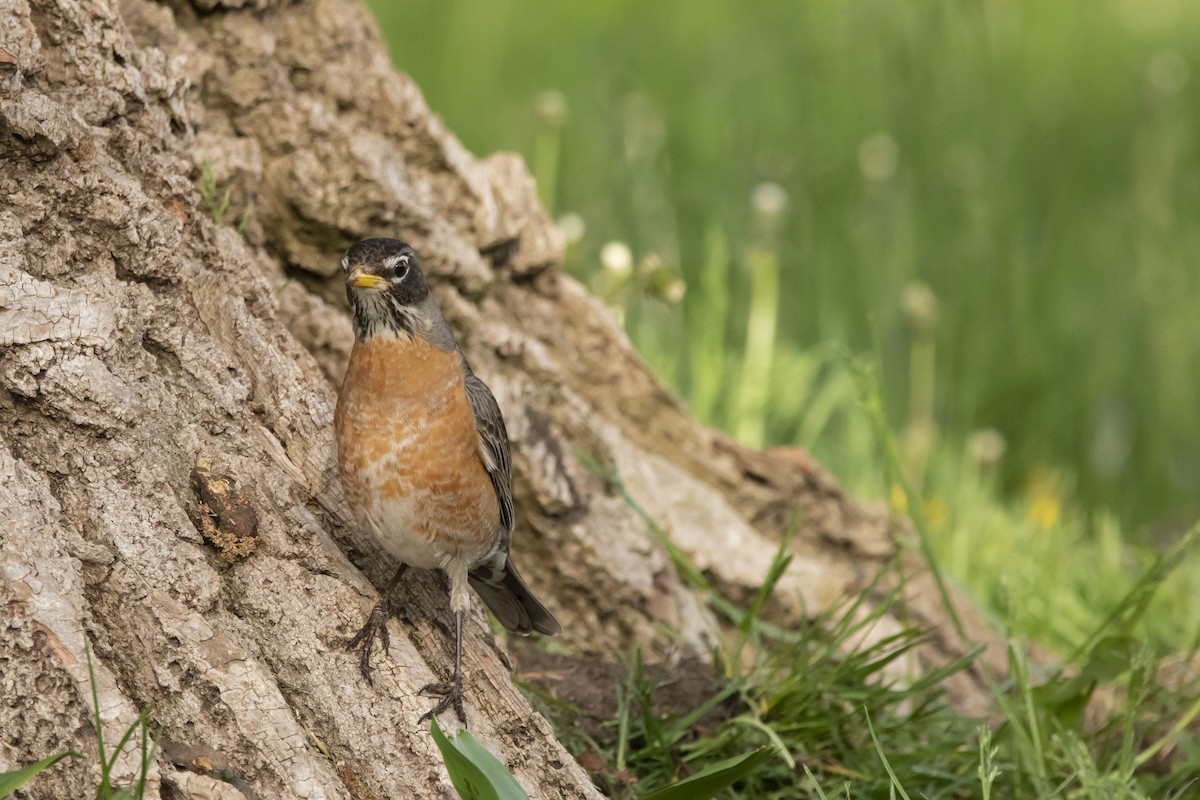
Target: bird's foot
[376,625]
[452,697]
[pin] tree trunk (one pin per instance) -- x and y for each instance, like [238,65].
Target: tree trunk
[168,369]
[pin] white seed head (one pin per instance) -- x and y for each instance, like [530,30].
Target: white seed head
[572,226]
[1168,72]
[878,157]
[617,259]
[674,291]
[987,446]
[769,200]
[552,107]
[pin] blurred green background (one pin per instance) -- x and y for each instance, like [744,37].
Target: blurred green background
[996,199]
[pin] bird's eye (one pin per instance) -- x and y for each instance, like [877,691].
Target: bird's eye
[399,264]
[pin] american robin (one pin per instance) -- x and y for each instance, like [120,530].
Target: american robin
[423,454]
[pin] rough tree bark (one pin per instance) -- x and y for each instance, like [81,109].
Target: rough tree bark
[166,391]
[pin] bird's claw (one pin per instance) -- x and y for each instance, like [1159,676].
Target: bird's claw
[376,625]
[452,697]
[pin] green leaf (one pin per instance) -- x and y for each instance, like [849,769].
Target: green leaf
[504,784]
[11,781]
[713,779]
[1111,657]
[1067,698]
[474,771]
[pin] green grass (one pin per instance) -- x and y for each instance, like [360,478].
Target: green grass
[146,744]
[1034,164]
[948,247]
[216,201]
[846,716]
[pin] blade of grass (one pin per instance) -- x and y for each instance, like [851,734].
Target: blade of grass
[11,781]
[816,786]
[766,730]
[1138,598]
[988,772]
[105,765]
[868,380]
[149,745]
[624,699]
[714,779]
[676,730]
[1171,735]
[887,765]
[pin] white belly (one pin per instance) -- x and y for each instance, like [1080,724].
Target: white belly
[395,522]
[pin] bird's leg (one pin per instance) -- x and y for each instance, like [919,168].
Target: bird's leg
[452,693]
[376,625]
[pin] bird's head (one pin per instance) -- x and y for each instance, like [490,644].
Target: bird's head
[387,291]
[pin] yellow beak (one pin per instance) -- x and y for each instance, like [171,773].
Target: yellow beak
[359,278]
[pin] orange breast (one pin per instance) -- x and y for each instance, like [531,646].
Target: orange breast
[408,453]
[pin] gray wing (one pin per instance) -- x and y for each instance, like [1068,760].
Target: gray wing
[497,580]
[493,447]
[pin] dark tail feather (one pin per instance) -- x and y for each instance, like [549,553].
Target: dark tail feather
[511,601]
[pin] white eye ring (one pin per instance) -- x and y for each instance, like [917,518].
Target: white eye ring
[397,263]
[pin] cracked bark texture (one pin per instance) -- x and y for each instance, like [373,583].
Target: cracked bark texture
[146,351]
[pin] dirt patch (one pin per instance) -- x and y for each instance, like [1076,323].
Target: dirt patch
[581,696]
